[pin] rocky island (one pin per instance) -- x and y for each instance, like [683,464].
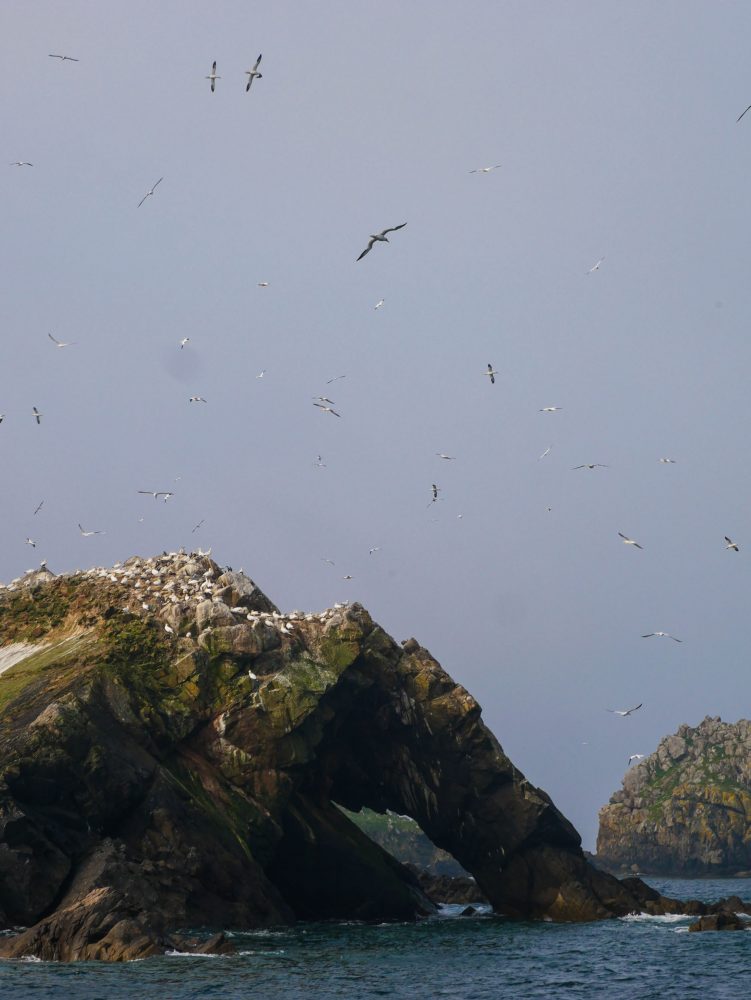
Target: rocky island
[686,809]
[174,752]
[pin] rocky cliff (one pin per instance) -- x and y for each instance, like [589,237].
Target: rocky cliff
[173,750]
[686,809]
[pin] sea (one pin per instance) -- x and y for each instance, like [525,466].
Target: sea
[479,957]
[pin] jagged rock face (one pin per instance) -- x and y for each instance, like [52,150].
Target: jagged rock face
[173,748]
[685,809]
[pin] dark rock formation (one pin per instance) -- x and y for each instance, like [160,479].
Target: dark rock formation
[720,922]
[173,750]
[449,888]
[686,809]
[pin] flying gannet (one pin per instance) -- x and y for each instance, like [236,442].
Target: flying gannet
[196,399]
[213,77]
[595,465]
[596,267]
[149,193]
[491,373]
[20,163]
[667,461]
[549,409]
[623,712]
[485,170]
[39,506]
[86,534]
[661,635]
[327,409]
[633,757]
[252,74]
[731,544]
[741,115]
[64,58]
[37,415]
[184,341]
[379,237]
[61,343]
[629,541]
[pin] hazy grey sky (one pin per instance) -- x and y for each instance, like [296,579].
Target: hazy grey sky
[615,127]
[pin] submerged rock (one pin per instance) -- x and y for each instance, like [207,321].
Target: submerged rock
[174,750]
[684,810]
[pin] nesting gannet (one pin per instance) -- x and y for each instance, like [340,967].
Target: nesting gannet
[629,541]
[20,163]
[252,74]
[213,77]
[485,170]
[168,629]
[52,55]
[380,238]
[633,757]
[549,409]
[37,415]
[623,712]
[596,267]
[327,409]
[741,115]
[196,399]
[61,343]
[149,193]
[86,534]
[731,544]
[491,373]
[595,465]
[661,635]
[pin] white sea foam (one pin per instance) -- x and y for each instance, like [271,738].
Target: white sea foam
[663,918]
[190,954]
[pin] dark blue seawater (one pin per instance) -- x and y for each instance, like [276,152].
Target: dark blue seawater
[463,958]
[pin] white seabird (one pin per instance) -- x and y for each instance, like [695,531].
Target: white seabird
[629,541]
[491,373]
[196,399]
[52,55]
[327,409]
[623,712]
[61,343]
[213,77]
[379,237]
[595,465]
[449,458]
[633,757]
[37,415]
[252,74]
[549,409]
[20,163]
[31,543]
[86,534]
[546,452]
[661,635]
[485,170]
[184,341]
[149,193]
[667,461]
[731,544]
[596,267]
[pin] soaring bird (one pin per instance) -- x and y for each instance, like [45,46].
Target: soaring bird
[485,170]
[196,399]
[449,458]
[87,534]
[61,343]
[731,544]
[64,58]
[549,409]
[633,757]
[661,635]
[252,74]
[184,341]
[667,461]
[20,163]
[149,193]
[213,77]
[741,115]
[491,373]
[31,543]
[546,452]
[157,494]
[37,415]
[623,712]
[595,465]
[596,267]
[327,409]
[379,237]
[39,506]
[436,490]
[629,541]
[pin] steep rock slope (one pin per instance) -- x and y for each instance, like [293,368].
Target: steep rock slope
[686,809]
[172,749]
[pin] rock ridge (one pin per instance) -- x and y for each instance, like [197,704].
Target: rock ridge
[685,809]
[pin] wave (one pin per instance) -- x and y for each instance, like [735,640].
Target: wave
[663,918]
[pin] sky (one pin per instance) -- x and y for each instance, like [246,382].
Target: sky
[615,129]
